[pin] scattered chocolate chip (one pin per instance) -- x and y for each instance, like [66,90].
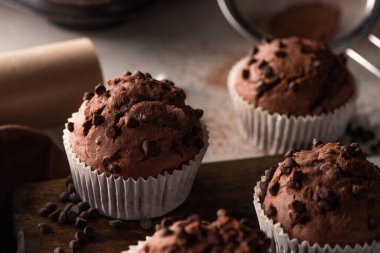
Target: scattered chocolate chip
[70,126]
[149,148]
[62,218]
[83,206]
[80,222]
[294,86]
[252,61]
[191,218]
[199,143]
[245,74]
[298,206]
[145,224]
[97,119]
[71,188]
[322,192]
[371,223]
[273,190]
[268,71]
[80,236]
[55,215]
[84,215]
[300,218]
[43,212]
[111,132]
[74,197]
[100,89]
[290,162]
[93,213]
[263,189]
[131,122]
[89,232]
[71,216]
[117,224]
[280,54]
[43,228]
[305,49]
[261,86]
[267,40]
[286,170]
[254,50]
[289,153]
[271,212]
[281,44]
[127,73]
[221,212]
[166,232]
[198,113]
[74,245]
[114,169]
[262,64]
[88,95]
[64,196]
[59,250]
[138,74]
[166,222]
[181,232]
[87,126]
[316,142]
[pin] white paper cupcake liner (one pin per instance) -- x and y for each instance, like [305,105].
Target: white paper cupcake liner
[137,247]
[130,199]
[285,244]
[276,133]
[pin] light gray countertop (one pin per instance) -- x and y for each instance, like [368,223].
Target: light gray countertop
[190,42]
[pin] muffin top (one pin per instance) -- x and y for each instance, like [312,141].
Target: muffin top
[294,76]
[139,127]
[327,195]
[226,234]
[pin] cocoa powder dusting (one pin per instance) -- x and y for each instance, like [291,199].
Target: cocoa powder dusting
[318,21]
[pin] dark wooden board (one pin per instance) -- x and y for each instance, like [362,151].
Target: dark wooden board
[226,185]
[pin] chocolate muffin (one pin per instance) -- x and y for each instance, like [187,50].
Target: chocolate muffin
[327,195]
[139,127]
[295,76]
[226,234]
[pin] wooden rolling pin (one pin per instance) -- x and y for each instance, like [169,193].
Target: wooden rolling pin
[42,86]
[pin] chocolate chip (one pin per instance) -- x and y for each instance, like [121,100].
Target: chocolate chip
[296,183]
[273,190]
[286,170]
[148,75]
[289,153]
[281,44]
[181,233]
[88,231]
[300,218]
[127,73]
[100,89]
[88,95]
[166,222]
[80,222]
[298,206]
[198,113]
[269,173]
[221,213]
[193,218]
[271,212]
[305,49]
[316,142]
[254,50]
[252,61]
[70,126]
[111,132]
[62,218]
[71,188]
[59,250]
[43,212]
[294,86]
[97,119]
[43,228]
[93,213]
[117,224]
[131,122]
[289,162]
[71,216]
[166,232]
[280,54]
[80,236]
[113,168]
[268,71]
[245,74]
[55,215]
[138,74]
[74,197]
[83,206]
[262,64]
[263,189]
[267,40]
[177,148]
[74,245]
[149,148]
[64,196]
[322,192]
[87,126]
[199,143]
[261,86]
[84,215]
[371,223]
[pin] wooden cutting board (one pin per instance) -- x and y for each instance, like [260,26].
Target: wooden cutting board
[226,185]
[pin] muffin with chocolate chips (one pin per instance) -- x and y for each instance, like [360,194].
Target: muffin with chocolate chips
[226,234]
[328,197]
[135,147]
[288,91]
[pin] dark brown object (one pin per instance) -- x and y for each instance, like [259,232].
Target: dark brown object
[80,236]
[238,175]
[59,250]
[43,228]
[74,245]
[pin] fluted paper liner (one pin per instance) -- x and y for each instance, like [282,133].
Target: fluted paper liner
[276,133]
[137,247]
[285,244]
[130,199]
